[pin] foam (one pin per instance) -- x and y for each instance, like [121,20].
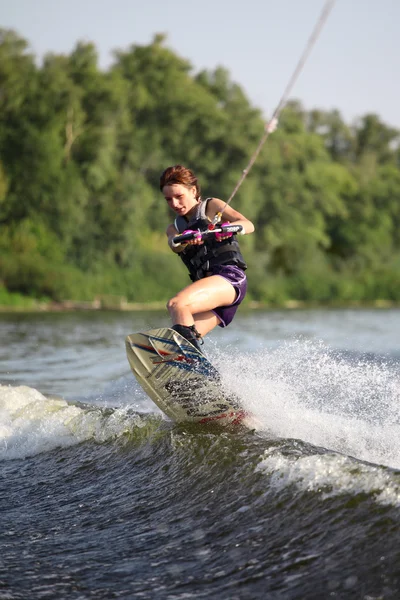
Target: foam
[301,390]
[30,423]
[331,475]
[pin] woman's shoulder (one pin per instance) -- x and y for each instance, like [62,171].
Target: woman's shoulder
[213,200]
[171,229]
[213,206]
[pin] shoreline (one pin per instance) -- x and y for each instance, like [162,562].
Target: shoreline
[120,305]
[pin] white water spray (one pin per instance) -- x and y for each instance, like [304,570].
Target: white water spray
[301,390]
[30,423]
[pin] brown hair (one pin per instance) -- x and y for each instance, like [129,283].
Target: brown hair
[181,175]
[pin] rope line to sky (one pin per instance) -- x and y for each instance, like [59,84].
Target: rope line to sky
[272,123]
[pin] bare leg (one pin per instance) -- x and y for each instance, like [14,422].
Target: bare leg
[193,305]
[205,322]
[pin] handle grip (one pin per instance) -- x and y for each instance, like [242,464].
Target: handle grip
[186,237]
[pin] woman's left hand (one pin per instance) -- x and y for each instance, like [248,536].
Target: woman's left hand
[219,236]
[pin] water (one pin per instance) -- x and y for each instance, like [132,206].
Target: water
[101,497]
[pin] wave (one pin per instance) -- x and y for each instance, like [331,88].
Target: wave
[31,423]
[327,425]
[302,390]
[329,475]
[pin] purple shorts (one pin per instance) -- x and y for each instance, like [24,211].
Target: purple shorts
[238,279]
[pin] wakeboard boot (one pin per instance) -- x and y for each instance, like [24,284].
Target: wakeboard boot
[190,333]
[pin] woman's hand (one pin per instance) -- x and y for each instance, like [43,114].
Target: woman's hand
[219,236]
[197,238]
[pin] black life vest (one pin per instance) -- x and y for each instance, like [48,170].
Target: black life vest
[200,259]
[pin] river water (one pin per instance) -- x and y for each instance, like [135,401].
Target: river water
[102,497]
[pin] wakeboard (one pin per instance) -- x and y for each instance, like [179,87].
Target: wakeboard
[180,380]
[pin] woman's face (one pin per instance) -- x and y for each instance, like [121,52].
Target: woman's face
[180,198]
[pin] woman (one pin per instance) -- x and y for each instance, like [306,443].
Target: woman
[215,263]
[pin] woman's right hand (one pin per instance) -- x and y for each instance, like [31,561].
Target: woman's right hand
[197,239]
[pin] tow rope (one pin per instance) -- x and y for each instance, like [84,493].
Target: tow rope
[272,123]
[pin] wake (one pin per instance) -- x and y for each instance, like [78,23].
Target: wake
[302,390]
[31,423]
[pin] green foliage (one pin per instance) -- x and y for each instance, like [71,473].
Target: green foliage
[14,300]
[32,260]
[81,151]
[3,184]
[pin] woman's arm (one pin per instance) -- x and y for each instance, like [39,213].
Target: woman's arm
[171,233]
[215,205]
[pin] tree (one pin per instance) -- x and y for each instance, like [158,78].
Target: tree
[373,136]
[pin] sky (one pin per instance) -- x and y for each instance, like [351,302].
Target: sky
[354,66]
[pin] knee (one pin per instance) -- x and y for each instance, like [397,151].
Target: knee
[173,303]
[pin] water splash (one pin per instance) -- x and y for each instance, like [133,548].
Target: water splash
[30,423]
[302,390]
[331,475]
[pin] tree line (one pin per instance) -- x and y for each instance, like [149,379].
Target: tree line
[82,149]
